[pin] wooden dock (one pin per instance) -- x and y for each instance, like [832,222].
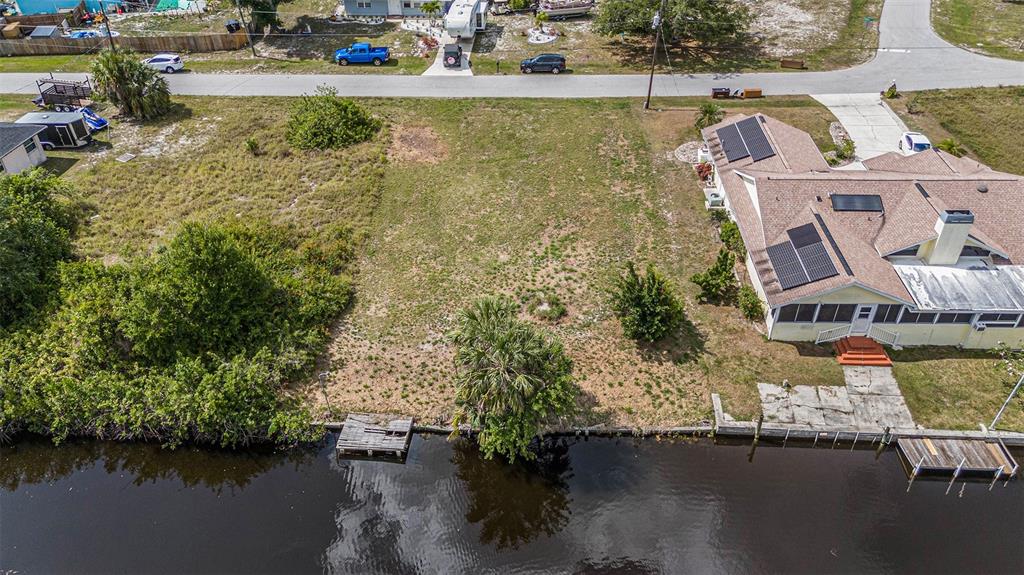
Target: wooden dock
[957,458]
[375,434]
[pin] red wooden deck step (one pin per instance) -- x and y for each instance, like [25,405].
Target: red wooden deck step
[858,350]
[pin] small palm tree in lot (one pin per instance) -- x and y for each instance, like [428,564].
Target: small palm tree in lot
[709,114]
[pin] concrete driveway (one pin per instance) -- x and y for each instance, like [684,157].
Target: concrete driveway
[873,126]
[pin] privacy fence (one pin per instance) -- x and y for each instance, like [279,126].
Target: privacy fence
[182,43]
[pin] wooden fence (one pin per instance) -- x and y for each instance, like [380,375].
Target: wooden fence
[150,44]
[73,16]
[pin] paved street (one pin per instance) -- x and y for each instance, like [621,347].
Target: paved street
[909,52]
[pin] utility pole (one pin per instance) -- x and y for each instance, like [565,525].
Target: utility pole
[106,22]
[245,26]
[656,24]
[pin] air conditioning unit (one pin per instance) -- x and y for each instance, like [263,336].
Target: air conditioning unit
[715,200]
[980,327]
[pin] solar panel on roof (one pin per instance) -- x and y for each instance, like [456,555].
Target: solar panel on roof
[804,235]
[787,266]
[756,141]
[856,202]
[816,262]
[732,143]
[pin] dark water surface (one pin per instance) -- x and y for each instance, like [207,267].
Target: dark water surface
[602,506]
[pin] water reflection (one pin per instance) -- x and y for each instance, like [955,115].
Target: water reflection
[31,461]
[539,490]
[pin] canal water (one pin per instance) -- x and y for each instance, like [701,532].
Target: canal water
[597,506]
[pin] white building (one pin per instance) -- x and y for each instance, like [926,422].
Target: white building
[20,149]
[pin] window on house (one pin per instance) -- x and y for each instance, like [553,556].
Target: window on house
[887,313]
[830,312]
[802,313]
[955,318]
[999,319]
[406,4]
[906,252]
[30,145]
[974,252]
[363,4]
[806,313]
[918,317]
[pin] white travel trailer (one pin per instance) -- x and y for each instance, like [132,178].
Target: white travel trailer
[465,18]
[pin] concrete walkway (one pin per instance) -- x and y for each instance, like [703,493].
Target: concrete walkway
[873,126]
[870,401]
[909,52]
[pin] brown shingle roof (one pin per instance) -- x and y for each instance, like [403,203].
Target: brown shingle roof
[796,184]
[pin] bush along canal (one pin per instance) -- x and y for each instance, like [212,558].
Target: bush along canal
[597,505]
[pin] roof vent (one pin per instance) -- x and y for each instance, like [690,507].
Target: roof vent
[983,188]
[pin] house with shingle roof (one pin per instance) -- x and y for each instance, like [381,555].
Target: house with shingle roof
[20,148]
[922,249]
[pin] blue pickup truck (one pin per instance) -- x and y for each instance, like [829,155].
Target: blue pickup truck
[362,53]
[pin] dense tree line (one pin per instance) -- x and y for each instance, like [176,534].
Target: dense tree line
[707,23]
[192,343]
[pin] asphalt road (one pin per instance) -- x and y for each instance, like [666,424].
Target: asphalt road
[909,52]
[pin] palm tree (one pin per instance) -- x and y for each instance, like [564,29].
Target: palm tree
[710,114]
[431,9]
[136,89]
[509,376]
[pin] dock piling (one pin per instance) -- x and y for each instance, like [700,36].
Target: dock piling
[956,474]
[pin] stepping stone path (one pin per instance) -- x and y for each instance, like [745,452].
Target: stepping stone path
[870,401]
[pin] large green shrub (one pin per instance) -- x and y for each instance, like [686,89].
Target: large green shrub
[729,233]
[193,343]
[36,223]
[717,283]
[646,305]
[202,293]
[324,121]
[510,378]
[750,303]
[136,89]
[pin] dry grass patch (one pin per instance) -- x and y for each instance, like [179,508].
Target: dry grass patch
[416,144]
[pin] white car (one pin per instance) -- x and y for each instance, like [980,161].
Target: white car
[169,63]
[913,142]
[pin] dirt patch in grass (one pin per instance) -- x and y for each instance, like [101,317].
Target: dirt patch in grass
[948,388]
[994,27]
[416,144]
[989,122]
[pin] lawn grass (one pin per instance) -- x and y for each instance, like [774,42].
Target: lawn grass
[454,200]
[948,388]
[989,122]
[994,27]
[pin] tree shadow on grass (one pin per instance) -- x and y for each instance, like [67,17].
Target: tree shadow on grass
[682,59]
[685,345]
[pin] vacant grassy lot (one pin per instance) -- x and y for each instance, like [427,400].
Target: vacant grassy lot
[989,122]
[947,388]
[455,200]
[994,27]
[825,36]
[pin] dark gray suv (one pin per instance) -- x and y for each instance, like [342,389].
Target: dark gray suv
[554,63]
